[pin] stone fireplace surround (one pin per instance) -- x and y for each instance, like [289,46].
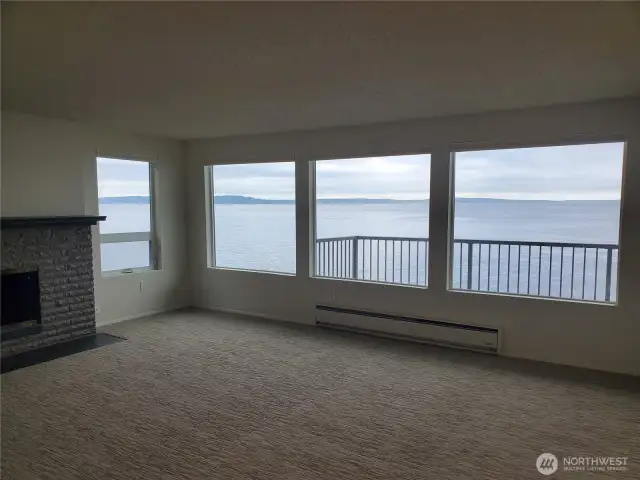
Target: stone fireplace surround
[60,249]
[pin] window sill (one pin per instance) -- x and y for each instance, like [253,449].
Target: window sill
[245,270]
[372,282]
[127,271]
[599,303]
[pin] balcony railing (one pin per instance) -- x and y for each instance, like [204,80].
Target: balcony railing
[577,271]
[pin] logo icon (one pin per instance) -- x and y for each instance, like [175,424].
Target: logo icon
[547,463]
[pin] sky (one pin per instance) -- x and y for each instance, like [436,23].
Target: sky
[122,178]
[575,172]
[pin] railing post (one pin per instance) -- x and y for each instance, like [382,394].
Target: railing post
[607,288]
[469,265]
[354,258]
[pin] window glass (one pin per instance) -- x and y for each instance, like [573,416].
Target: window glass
[372,219]
[123,255]
[124,191]
[254,216]
[540,221]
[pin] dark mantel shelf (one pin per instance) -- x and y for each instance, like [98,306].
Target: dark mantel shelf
[21,222]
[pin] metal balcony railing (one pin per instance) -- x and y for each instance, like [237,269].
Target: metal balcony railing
[579,271]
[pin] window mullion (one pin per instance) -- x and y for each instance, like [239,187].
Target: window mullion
[439,205]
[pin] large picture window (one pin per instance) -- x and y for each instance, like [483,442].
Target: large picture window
[541,221]
[372,219]
[127,242]
[254,218]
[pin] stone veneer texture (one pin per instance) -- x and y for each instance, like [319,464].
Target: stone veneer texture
[63,256]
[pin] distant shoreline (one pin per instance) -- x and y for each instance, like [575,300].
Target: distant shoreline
[243,200]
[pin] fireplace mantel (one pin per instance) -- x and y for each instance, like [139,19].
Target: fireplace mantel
[22,222]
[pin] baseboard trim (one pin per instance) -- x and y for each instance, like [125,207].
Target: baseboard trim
[246,313]
[138,315]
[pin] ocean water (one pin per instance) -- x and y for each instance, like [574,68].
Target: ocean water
[262,237]
[124,218]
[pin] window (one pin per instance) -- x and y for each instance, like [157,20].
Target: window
[540,221]
[127,242]
[372,219]
[254,218]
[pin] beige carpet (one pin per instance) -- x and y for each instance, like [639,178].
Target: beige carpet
[196,395]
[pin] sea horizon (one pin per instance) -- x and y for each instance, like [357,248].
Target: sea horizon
[249,200]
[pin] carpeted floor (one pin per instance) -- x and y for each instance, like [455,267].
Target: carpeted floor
[197,395]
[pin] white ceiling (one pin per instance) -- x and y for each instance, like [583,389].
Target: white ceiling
[188,70]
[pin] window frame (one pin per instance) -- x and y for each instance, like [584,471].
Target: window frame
[210,224]
[152,236]
[561,141]
[313,219]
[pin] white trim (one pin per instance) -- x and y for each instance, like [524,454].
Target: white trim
[312,259]
[313,218]
[451,221]
[303,219]
[126,271]
[125,237]
[126,157]
[571,140]
[152,236]
[210,222]
[269,272]
[597,303]
[421,150]
[542,142]
[155,245]
[370,282]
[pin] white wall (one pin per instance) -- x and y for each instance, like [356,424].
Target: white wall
[48,167]
[594,336]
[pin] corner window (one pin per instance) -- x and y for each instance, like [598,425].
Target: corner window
[372,219]
[540,221]
[125,191]
[253,217]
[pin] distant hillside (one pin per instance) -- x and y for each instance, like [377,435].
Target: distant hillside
[244,200]
[477,201]
[129,199]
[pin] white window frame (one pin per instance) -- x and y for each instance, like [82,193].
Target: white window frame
[152,236]
[313,219]
[569,140]
[211,219]
[210,216]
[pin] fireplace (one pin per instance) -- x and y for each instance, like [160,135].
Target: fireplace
[20,304]
[47,282]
